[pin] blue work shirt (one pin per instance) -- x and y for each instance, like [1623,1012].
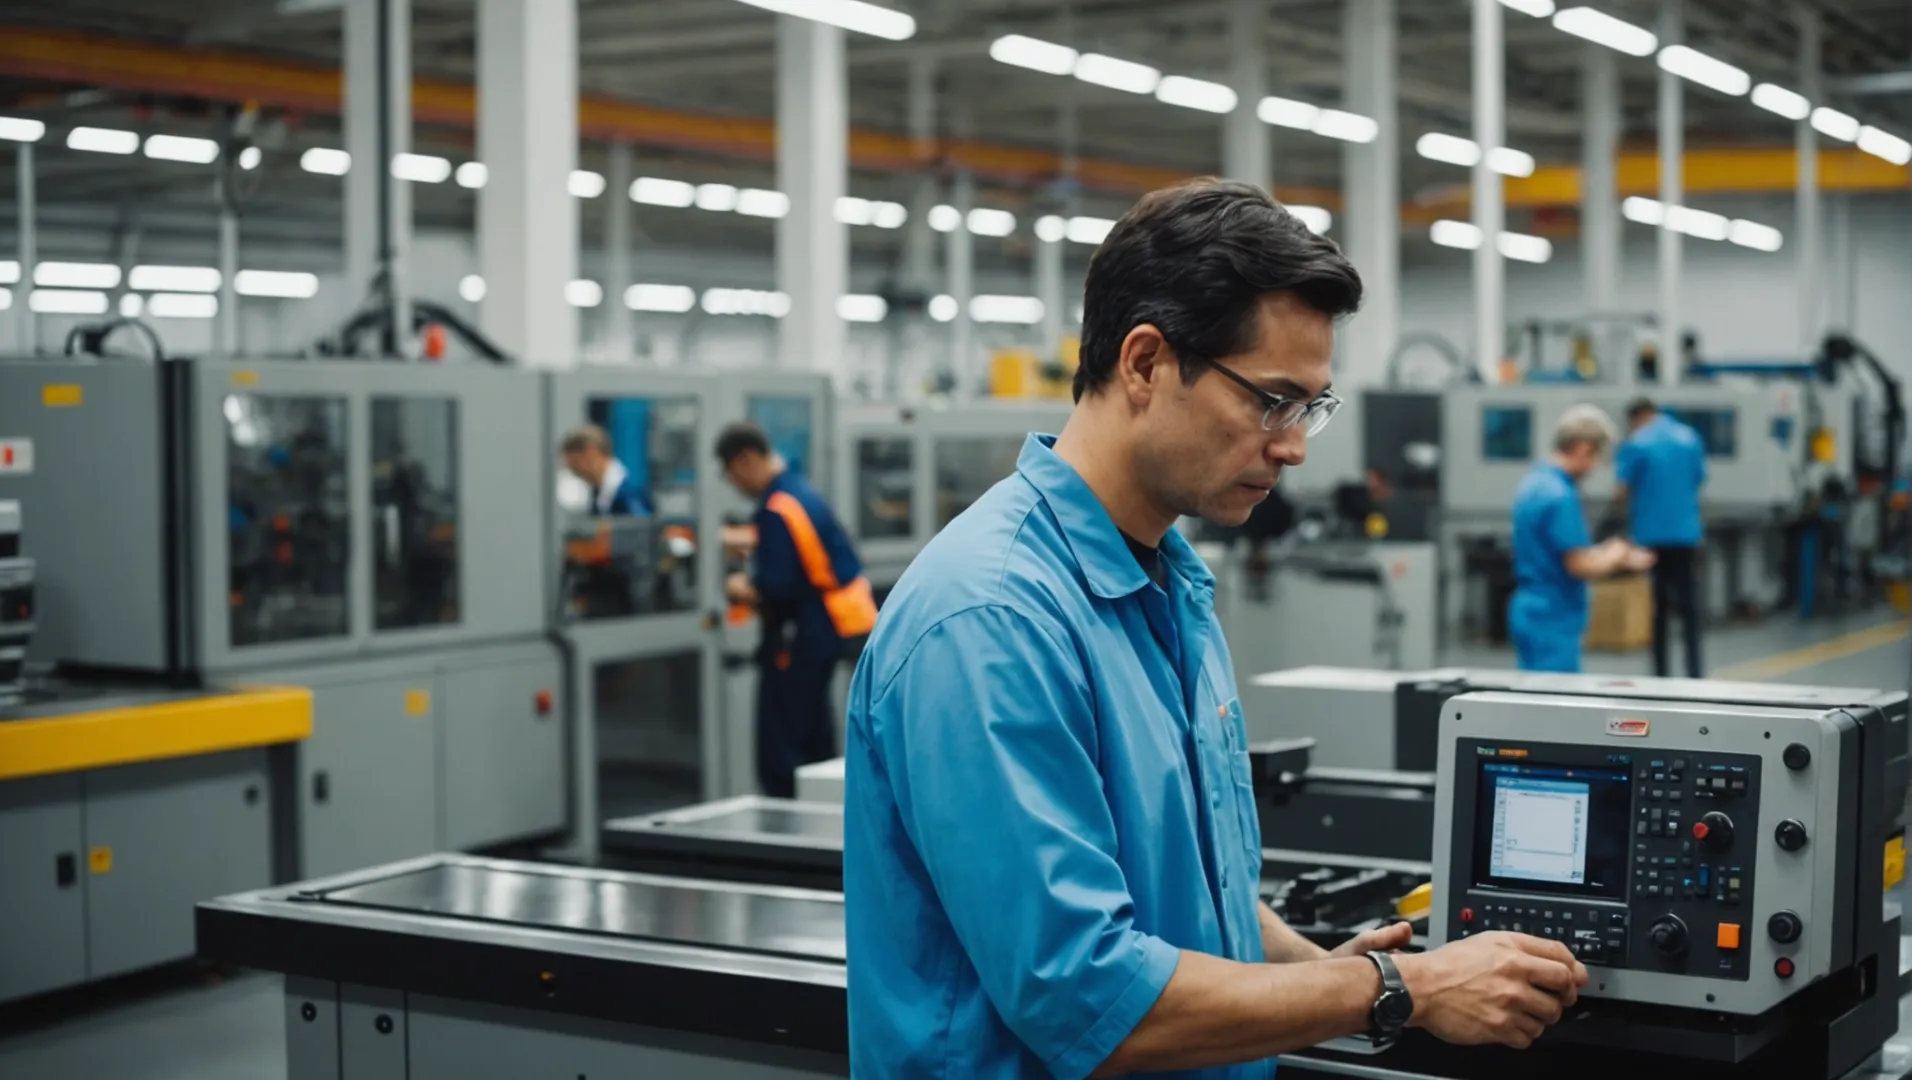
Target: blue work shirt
[1548,523]
[1047,793]
[1663,466]
[619,494]
[793,613]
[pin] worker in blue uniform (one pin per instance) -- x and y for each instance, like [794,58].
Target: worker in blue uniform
[614,491]
[1662,467]
[1051,846]
[1554,555]
[814,606]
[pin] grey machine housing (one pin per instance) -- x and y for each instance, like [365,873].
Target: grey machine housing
[1834,883]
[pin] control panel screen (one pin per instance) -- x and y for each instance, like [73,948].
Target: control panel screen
[1553,828]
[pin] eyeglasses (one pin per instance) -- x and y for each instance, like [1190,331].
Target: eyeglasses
[1281,413]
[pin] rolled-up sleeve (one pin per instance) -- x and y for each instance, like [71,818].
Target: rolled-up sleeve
[989,730]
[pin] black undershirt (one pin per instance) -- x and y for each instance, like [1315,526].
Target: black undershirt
[1150,559]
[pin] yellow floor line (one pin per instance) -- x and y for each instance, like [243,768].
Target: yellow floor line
[1771,667]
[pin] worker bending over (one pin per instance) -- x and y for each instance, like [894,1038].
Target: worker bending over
[1554,556]
[1051,848]
[1662,467]
[614,491]
[813,603]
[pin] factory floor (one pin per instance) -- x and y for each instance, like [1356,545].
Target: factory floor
[181,1024]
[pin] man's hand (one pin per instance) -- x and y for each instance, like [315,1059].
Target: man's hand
[1492,988]
[1639,559]
[1380,939]
[738,590]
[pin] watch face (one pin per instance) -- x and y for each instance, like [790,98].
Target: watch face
[1394,1009]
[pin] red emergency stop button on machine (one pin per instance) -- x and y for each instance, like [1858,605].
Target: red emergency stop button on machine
[1700,830]
[542,702]
[1467,915]
[1783,967]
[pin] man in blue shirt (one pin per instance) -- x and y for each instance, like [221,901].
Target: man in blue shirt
[614,491]
[1051,846]
[1662,467]
[813,603]
[1554,556]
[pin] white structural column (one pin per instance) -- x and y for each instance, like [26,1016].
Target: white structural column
[962,286]
[1600,198]
[618,326]
[1672,193]
[1809,269]
[1246,153]
[813,253]
[919,242]
[378,213]
[28,250]
[1049,291]
[228,342]
[1490,208]
[527,219]
[1371,217]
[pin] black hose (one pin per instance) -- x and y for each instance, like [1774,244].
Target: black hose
[377,317]
[91,337]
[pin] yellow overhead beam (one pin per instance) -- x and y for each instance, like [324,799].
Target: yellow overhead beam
[1749,171]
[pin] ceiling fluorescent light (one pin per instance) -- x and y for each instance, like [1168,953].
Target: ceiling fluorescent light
[472,175]
[471,288]
[720,197]
[283,284]
[1455,234]
[1524,248]
[1089,230]
[1753,235]
[1603,29]
[855,15]
[250,157]
[757,202]
[131,305]
[1196,94]
[1778,99]
[945,218]
[1700,224]
[667,299]
[181,148]
[102,140]
[175,279]
[73,275]
[1023,310]
[1051,229]
[583,292]
[9,271]
[1317,219]
[1288,113]
[1346,126]
[66,302]
[652,191]
[987,222]
[851,210]
[1125,75]
[20,129]
[1539,9]
[1036,55]
[1695,66]
[861,309]
[420,168]
[182,305]
[891,215]
[1452,149]
[1642,210]
[1835,124]
[325,161]
[585,184]
[1883,144]
[944,308]
[1508,161]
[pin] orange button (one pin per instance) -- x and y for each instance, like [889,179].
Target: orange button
[1728,935]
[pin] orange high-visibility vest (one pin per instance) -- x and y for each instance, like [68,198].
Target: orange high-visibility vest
[852,607]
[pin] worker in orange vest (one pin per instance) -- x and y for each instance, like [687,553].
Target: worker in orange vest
[815,605]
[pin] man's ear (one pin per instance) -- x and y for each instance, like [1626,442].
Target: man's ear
[1143,350]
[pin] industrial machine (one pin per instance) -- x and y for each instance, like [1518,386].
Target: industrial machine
[16,605]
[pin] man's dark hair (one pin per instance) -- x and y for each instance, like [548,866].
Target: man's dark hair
[1640,407]
[739,439]
[1193,261]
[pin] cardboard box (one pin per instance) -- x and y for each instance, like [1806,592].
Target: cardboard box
[1621,618]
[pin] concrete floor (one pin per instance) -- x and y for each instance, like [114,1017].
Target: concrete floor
[181,1025]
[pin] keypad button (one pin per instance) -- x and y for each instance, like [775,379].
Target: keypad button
[1659,793]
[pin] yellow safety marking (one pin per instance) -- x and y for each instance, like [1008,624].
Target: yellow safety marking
[61,395]
[245,378]
[1894,861]
[262,716]
[1771,667]
[100,860]
[418,702]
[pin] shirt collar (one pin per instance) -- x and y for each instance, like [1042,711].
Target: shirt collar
[614,476]
[1107,564]
[779,482]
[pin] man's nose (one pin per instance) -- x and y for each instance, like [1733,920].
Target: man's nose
[1289,446]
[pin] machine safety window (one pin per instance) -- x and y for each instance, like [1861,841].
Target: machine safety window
[415,512]
[885,488]
[288,519]
[965,468]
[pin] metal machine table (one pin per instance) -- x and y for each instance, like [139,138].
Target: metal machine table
[749,838]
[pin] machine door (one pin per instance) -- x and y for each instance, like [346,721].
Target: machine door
[974,447]
[43,870]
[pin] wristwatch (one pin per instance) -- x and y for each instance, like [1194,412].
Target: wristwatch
[1394,1006]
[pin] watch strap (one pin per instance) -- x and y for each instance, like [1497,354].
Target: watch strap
[1380,1028]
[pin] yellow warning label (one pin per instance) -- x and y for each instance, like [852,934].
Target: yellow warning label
[418,702]
[1377,526]
[1894,861]
[245,378]
[61,395]
[100,860]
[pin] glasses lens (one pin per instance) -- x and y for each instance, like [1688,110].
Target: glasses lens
[1320,413]
[1283,416]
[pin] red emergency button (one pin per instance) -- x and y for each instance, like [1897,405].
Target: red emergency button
[1467,914]
[1700,830]
[542,702]
[1783,967]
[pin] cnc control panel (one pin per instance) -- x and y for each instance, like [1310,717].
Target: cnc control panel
[1686,853]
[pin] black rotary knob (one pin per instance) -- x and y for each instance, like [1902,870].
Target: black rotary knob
[1797,756]
[1784,927]
[1714,829]
[1668,935]
[1790,834]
